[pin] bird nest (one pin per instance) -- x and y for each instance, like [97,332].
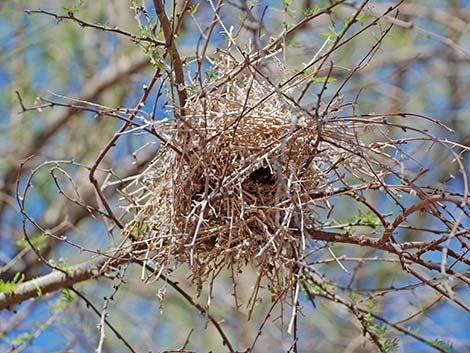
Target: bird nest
[232,181]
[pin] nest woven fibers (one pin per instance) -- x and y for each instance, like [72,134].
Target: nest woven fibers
[232,183]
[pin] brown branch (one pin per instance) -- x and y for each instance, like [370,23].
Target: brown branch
[415,208]
[201,309]
[70,16]
[54,281]
[174,55]
[90,305]
[395,249]
[57,280]
[112,143]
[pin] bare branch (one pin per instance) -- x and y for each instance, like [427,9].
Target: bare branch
[170,38]
[54,281]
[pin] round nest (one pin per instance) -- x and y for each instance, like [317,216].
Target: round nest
[232,182]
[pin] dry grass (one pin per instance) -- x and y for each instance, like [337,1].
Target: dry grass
[238,188]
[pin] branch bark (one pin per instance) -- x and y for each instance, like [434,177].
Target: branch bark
[173,51]
[56,280]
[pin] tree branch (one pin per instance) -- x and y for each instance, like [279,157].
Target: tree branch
[174,55]
[56,280]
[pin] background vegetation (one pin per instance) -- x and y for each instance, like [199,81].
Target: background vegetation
[67,66]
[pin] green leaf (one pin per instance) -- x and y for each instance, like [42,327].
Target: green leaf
[37,241]
[286,25]
[10,286]
[195,8]
[362,18]
[211,73]
[63,301]
[369,219]
[441,344]
[286,3]
[136,231]
[323,79]
[74,8]
[61,263]
[21,338]
[38,289]
[68,295]
[309,11]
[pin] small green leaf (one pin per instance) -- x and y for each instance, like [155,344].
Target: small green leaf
[323,79]
[10,286]
[195,8]
[286,3]
[211,73]
[21,338]
[362,18]
[38,289]
[441,344]
[74,8]
[286,25]
[68,295]
[309,11]
[37,241]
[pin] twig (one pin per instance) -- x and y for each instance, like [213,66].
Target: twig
[170,37]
